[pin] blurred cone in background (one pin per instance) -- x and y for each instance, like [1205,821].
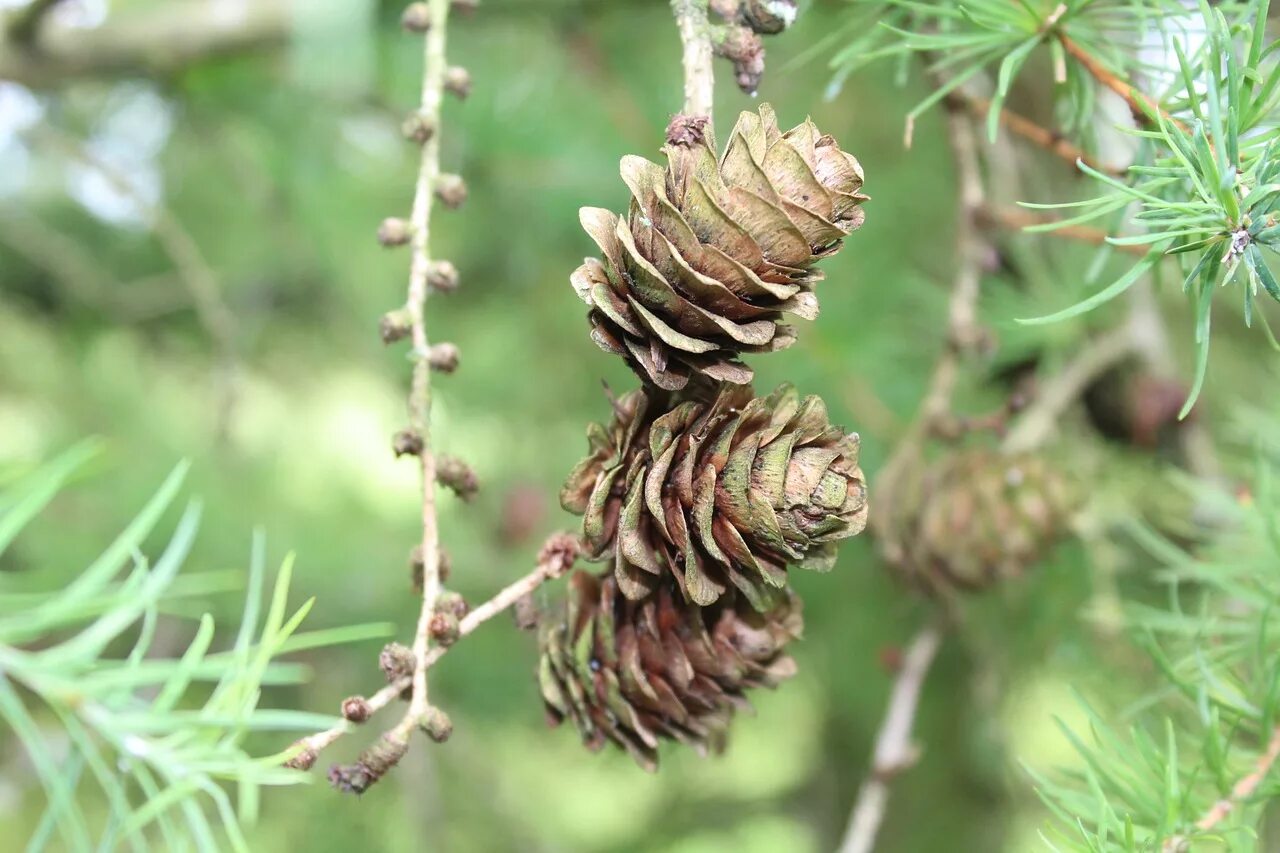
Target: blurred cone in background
[972,518]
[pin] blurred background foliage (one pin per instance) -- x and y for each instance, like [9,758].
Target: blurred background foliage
[279,162]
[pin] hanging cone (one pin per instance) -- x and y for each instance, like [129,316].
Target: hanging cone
[972,519]
[712,253]
[637,673]
[722,494]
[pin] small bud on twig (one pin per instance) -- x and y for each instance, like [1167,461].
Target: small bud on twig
[372,764]
[457,82]
[417,566]
[466,7]
[559,553]
[416,18]
[769,17]
[394,231]
[744,48]
[453,602]
[444,357]
[442,277]
[444,628]
[304,760]
[687,131]
[729,10]
[406,442]
[458,476]
[451,190]
[396,661]
[356,709]
[437,725]
[525,612]
[395,325]
[418,128]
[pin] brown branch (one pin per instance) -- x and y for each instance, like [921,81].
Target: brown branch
[434,63]
[165,38]
[1017,219]
[695,35]
[963,333]
[1019,125]
[1142,106]
[1240,792]
[554,560]
[189,262]
[1056,396]
[24,24]
[894,749]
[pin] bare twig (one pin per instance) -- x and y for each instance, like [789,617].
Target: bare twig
[1142,106]
[1050,140]
[420,392]
[24,24]
[963,332]
[695,34]
[553,562]
[166,37]
[193,270]
[894,750]
[1057,395]
[1240,792]
[1017,219]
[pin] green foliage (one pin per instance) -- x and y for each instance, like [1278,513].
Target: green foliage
[1204,183]
[155,740]
[1211,733]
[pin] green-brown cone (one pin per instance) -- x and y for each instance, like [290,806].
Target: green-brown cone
[721,493]
[973,518]
[712,253]
[636,673]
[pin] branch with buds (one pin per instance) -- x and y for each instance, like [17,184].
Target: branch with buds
[444,617]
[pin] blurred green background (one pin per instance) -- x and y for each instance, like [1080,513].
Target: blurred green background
[280,162]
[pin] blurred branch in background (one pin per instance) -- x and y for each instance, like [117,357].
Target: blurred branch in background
[23,25]
[1052,141]
[162,39]
[194,272]
[963,337]
[894,749]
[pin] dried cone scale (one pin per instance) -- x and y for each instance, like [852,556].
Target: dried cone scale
[973,519]
[722,494]
[713,252]
[636,673]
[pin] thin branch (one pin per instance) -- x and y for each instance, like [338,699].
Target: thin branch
[1241,791]
[24,24]
[695,35]
[420,392]
[553,562]
[1016,219]
[165,38]
[894,750]
[1019,125]
[1142,106]
[1057,395]
[963,333]
[194,271]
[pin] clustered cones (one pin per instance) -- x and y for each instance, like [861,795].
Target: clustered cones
[973,518]
[698,492]
[632,672]
[713,252]
[721,494]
